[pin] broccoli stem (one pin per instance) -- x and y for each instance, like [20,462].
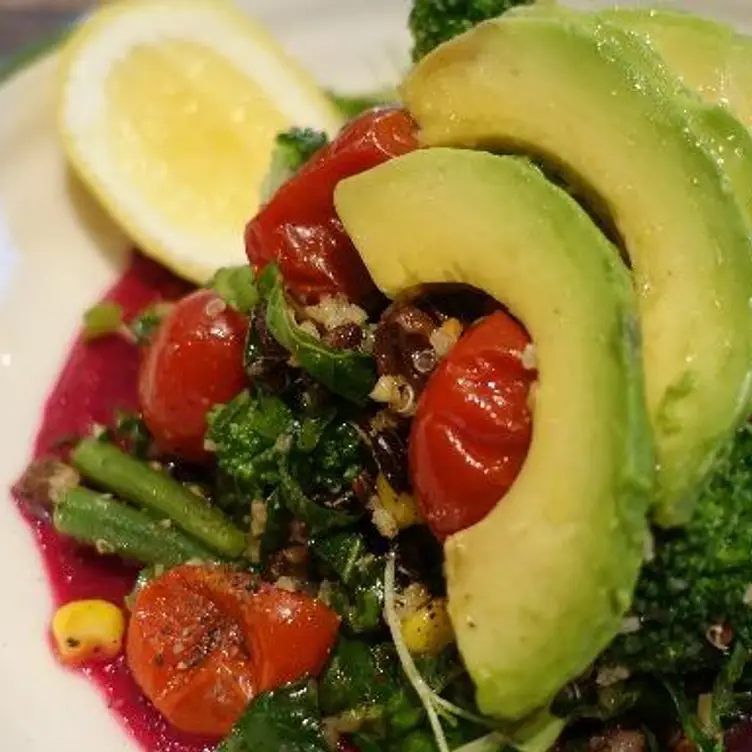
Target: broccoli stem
[115,528]
[115,471]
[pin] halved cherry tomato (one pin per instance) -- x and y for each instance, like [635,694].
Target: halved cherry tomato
[194,362]
[203,641]
[299,227]
[472,427]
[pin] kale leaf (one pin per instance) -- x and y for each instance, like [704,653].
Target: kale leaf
[346,373]
[286,720]
[357,594]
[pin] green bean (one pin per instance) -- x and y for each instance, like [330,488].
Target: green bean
[113,470]
[115,528]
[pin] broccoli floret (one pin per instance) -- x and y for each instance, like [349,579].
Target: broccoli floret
[292,149]
[435,21]
[694,595]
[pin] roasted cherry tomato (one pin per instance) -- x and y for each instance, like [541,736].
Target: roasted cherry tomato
[299,228]
[194,362]
[472,428]
[203,641]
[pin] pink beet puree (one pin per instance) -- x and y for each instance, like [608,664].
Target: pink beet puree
[98,379]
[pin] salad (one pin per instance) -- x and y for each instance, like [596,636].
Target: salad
[458,457]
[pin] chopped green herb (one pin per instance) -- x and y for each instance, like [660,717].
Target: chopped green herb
[102,320]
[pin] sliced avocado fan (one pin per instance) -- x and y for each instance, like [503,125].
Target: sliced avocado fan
[540,586]
[582,98]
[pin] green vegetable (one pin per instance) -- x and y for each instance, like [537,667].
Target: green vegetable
[435,21]
[698,579]
[144,326]
[286,720]
[103,320]
[363,684]
[145,576]
[115,528]
[359,674]
[265,450]
[346,373]
[317,518]
[248,436]
[706,729]
[236,285]
[359,598]
[113,470]
[292,149]
[338,457]
[277,528]
[365,687]
[133,433]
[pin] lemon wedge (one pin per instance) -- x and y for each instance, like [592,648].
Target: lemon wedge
[168,112]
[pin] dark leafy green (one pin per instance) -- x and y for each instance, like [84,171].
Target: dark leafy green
[286,720]
[358,675]
[131,432]
[236,285]
[365,685]
[278,519]
[358,595]
[346,373]
[317,518]
[144,326]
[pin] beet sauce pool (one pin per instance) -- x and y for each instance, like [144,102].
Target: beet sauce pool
[97,380]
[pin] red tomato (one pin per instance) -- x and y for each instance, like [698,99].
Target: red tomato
[294,634]
[299,227]
[194,362]
[203,641]
[472,427]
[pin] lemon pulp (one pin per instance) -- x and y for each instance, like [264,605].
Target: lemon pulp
[190,98]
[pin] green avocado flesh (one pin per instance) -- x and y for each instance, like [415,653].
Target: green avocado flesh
[540,586]
[696,49]
[587,99]
[708,57]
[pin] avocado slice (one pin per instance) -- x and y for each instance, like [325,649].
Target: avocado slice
[696,49]
[579,97]
[739,79]
[539,587]
[725,138]
[709,57]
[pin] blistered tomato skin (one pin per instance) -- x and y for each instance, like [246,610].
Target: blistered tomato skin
[299,228]
[204,641]
[294,636]
[472,428]
[194,362]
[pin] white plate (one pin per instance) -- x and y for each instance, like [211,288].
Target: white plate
[57,254]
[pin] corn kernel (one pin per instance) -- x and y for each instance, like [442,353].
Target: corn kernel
[88,631]
[428,630]
[401,507]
